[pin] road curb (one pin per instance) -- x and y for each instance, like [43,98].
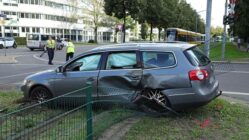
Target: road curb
[234,100]
[231,62]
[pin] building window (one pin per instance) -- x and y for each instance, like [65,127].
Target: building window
[27,29]
[22,15]
[23,29]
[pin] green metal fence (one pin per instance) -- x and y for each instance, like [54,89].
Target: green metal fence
[68,116]
[61,118]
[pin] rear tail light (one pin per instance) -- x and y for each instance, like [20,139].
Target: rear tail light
[198,75]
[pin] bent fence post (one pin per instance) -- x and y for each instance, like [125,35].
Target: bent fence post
[89,112]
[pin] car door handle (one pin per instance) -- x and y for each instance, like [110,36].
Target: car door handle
[91,79]
[133,77]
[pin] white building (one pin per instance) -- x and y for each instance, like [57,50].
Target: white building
[53,17]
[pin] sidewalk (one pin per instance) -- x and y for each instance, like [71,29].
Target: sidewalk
[8,59]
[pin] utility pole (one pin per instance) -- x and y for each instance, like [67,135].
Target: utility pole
[208,27]
[224,35]
[124,12]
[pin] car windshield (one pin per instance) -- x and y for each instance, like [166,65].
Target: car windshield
[197,57]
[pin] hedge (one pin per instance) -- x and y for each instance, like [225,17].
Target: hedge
[21,40]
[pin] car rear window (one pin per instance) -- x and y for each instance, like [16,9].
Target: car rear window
[158,59]
[196,57]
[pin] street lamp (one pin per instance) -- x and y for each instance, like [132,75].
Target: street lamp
[196,19]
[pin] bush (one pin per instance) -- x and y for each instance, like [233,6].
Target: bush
[21,40]
[91,41]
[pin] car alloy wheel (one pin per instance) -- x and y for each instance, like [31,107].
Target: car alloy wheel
[156,96]
[40,94]
[152,99]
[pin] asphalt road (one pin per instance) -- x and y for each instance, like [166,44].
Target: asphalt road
[233,78]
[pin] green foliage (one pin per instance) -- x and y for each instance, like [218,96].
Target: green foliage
[218,31]
[21,40]
[144,31]
[241,25]
[157,13]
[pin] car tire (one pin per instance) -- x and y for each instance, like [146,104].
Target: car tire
[31,49]
[61,47]
[40,94]
[1,46]
[154,100]
[14,46]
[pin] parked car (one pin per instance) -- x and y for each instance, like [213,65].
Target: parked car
[7,42]
[158,75]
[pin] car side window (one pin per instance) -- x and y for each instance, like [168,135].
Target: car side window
[121,60]
[158,59]
[87,63]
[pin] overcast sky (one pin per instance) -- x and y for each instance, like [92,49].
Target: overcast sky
[218,9]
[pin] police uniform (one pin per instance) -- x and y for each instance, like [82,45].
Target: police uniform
[50,50]
[70,51]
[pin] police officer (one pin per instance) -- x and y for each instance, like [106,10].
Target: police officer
[70,50]
[50,50]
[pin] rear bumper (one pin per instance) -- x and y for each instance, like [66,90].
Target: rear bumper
[190,98]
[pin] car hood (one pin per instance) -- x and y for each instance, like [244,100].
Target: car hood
[42,74]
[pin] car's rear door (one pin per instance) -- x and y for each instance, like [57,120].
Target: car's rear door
[161,71]
[120,76]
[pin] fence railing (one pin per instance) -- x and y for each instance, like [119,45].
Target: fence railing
[62,117]
[65,117]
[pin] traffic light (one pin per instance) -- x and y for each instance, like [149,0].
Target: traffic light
[228,20]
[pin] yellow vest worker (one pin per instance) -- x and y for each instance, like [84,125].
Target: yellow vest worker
[51,43]
[70,47]
[70,51]
[50,50]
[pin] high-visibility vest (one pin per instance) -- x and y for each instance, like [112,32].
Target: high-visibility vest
[51,44]
[70,47]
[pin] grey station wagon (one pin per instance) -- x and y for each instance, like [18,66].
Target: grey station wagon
[159,75]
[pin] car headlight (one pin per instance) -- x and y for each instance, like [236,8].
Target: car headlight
[24,81]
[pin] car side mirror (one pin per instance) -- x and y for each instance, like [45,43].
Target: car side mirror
[59,69]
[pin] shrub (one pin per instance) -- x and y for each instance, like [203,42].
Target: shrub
[91,41]
[21,40]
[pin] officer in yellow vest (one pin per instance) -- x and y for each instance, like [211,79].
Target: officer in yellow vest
[50,49]
[70,50]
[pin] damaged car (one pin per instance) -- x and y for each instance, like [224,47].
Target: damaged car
[161,76]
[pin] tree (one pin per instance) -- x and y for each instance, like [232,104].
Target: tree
[218,31]
[144,31]
[96,15]
[121,9]
[241,25]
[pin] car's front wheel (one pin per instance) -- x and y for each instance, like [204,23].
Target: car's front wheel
[40,94]
[14,46]
[1,46]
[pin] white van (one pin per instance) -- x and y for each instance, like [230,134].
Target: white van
[39,41]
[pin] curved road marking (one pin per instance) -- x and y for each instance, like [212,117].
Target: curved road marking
[42,59]
[234,93]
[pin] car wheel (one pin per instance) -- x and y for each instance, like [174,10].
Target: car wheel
[153,100]
[40,94]
[61,47]
[31,49]
[1,46]
[14,46]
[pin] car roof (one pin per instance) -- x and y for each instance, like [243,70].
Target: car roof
[145,46]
